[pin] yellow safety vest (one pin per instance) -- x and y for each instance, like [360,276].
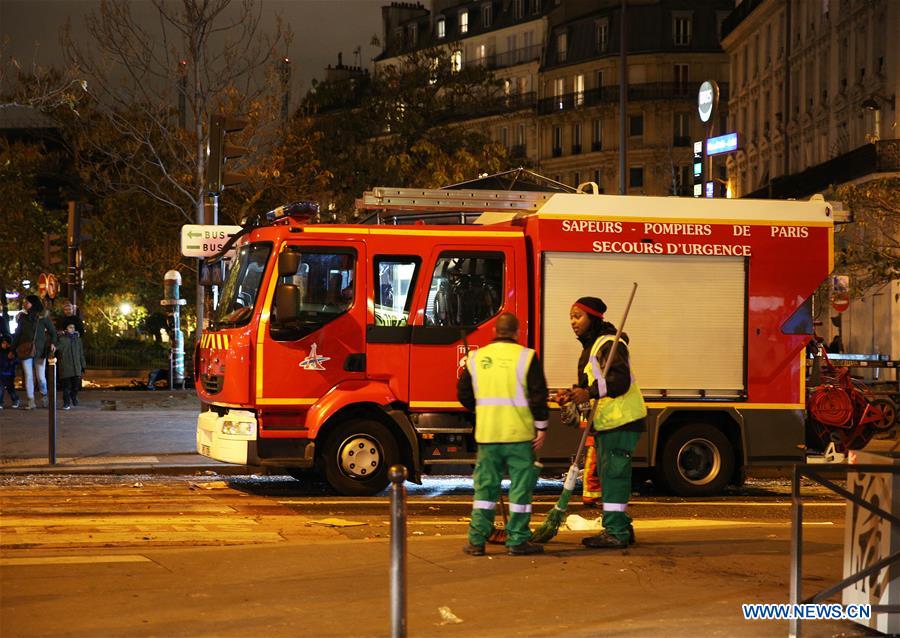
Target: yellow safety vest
[499,371]
[613,412]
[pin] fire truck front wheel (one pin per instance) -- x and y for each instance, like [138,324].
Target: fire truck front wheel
[697,460]
[357,455]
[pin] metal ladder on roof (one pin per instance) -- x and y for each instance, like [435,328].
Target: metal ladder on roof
[449,201]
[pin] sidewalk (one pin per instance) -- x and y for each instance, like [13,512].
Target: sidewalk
[110,432]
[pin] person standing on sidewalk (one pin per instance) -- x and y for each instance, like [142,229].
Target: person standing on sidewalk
[70,355]
[504,384]
[8,365]
[70,316]
[36,328]
[619,419]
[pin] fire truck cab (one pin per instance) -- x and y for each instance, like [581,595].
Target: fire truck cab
[338,347]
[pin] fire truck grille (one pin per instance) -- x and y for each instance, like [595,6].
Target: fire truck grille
[212,383]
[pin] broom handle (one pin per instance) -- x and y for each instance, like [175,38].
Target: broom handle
[609,359]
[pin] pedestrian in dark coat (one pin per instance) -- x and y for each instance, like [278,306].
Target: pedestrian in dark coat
[8,367]
[70,315]
[35,326]
[71,364]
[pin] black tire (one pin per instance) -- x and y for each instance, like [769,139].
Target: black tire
[697,460]
[357,456]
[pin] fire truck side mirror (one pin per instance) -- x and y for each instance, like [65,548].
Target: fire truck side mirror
[287,302]
[288,263]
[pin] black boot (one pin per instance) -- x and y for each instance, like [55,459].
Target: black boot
[604,541]
[473,550]
[524,549]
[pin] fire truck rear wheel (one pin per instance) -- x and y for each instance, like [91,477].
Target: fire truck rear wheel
[357,455]
[697,460]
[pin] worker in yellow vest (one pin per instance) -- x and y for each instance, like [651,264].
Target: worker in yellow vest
[619,419]
[504,384]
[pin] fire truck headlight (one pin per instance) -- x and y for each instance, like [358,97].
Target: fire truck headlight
[237,427]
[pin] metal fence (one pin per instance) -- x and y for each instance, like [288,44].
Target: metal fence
[126,358]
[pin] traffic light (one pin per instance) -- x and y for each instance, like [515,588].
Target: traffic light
[54,251]
[218,152]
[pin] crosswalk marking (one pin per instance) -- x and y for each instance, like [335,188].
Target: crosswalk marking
[73,560]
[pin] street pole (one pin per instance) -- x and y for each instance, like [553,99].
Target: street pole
[398,475]
[173,303]
[51,405]
[623,102]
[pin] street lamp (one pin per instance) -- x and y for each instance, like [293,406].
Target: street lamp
[125,308]
[871,104]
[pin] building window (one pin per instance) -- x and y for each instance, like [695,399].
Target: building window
[520,135]
[562,45]
[463,21]
[412,34]
[635,125]
[579,90]
[559,90]
[398,37]
[535,6]
[487,15]
[598,180]
[504,137]
[576,179]
[456,61]
[441,28]
[636,177]
[576,138]
[481,53]
[681,79]
[597,135]
[521,86]
[682,129]
[519,9]
[557,141]
[681,30]
[602,36]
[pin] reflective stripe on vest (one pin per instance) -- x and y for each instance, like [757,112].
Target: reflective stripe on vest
[499,372]
[613,412]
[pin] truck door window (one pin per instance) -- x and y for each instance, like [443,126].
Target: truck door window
[466,289]
[395,280]
[241,288]
[326,280]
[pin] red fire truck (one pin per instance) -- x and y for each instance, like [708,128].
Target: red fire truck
[338,347]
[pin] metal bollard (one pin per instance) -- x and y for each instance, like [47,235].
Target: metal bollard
[51,405]
[398,475]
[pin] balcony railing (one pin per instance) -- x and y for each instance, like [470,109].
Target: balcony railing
[636,92]
[576,149]
[557,151]
[507,58]
[518,150]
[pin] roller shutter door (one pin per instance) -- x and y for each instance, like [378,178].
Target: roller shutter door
[686,326]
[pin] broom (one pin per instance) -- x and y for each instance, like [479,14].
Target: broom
[550,527]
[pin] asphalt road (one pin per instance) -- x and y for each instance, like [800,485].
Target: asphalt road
[253,556]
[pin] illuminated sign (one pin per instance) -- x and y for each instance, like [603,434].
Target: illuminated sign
[710,189]
[707,99]
[722,144]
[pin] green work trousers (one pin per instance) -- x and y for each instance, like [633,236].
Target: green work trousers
[615,448]
[494,460]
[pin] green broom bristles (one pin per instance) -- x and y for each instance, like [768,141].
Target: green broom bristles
[550,527]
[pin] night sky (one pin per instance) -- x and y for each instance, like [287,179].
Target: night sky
[321,28]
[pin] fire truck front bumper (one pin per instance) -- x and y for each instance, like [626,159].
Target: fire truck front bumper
[230,438]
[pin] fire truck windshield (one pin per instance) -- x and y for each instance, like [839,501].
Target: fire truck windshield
[242,286]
